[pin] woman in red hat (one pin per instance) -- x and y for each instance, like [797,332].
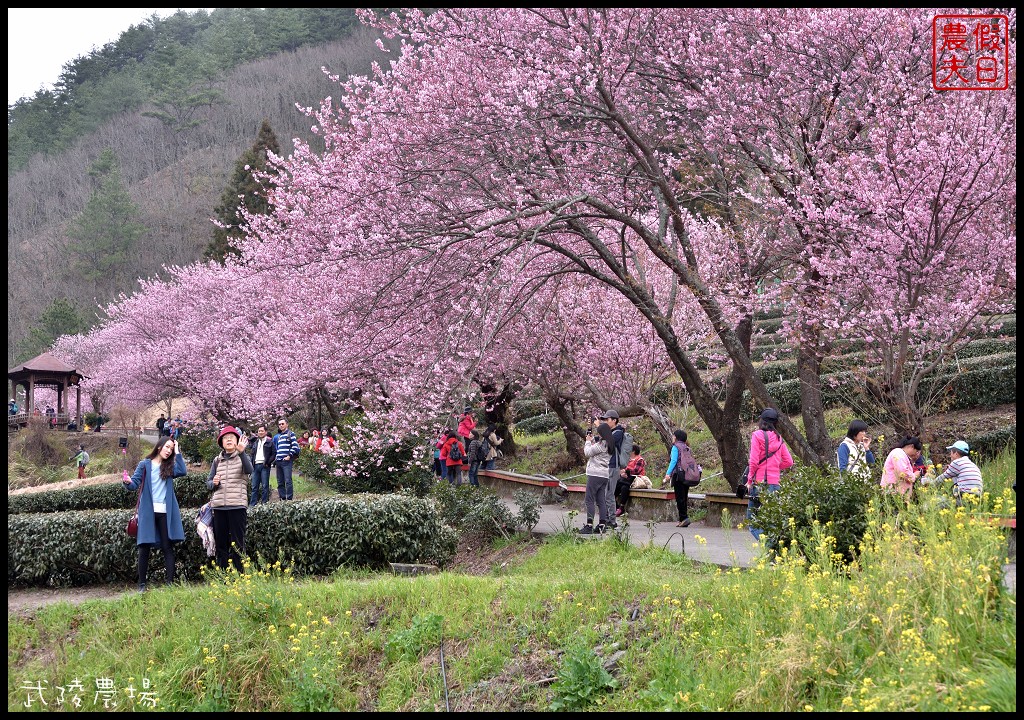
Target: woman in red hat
[229,480]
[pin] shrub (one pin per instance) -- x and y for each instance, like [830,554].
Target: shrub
[539,424]
[198,444]
[812,498]
[362,472]
[190,490]
[315,536]
[480,511]
[524,408]
[993,443]
[529,509]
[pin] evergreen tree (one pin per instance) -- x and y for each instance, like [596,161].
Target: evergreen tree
[60,317]
[244,191]
[105,235]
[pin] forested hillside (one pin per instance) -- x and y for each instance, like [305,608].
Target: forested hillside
[117,171]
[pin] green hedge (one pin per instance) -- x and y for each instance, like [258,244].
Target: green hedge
[524,408]
[983,387]
[990,444]
[539,424]
[769,327]
[970,359]
[1008,329]
[315,537]
[190,490]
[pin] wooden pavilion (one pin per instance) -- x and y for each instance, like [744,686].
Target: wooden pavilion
[48,372]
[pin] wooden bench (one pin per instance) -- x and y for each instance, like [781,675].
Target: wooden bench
[719,503]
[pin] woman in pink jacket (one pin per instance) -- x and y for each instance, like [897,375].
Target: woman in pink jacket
[769,456]
[466,425]
[899,472]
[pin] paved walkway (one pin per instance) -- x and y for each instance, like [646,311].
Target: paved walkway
[714,545]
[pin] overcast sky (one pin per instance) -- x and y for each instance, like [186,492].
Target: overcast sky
[40,42]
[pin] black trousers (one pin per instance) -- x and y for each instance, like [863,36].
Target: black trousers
[160,522]
[228,528]
[682,498]
[622,488]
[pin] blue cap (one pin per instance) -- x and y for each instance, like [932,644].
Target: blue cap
[961,446]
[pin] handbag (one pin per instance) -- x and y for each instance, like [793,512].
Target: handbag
[133,521]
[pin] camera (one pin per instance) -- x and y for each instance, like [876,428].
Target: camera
[122,442]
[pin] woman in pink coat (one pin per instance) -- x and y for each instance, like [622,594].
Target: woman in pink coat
[769,456]
[899,472]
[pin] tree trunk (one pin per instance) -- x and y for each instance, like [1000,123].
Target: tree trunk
[662,424]
[808,364]
[573,433]
[498,411]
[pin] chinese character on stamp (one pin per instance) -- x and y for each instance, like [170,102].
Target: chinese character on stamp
[970,52]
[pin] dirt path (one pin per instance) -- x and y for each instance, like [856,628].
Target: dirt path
[68,484]
[25,601]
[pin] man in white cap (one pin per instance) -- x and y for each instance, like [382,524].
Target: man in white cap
[962,471]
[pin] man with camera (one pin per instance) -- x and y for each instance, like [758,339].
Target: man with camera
[611,417]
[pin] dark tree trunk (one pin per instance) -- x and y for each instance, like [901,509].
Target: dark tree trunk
[573,433]
[498,411]
[732,446]
[808,364]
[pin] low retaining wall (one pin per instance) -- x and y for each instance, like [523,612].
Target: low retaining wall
[720,502]
[645,505]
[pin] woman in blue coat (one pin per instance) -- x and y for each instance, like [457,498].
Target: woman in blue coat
[159,516]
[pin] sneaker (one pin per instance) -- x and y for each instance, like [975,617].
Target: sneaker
[587,529]
[685,523]
[600,530]
[142,587]
[618,511]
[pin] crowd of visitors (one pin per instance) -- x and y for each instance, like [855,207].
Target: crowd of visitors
[239,476]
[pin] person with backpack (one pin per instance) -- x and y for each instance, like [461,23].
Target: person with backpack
[82,458]
[493,441]
[619,452]
[159,517]
[683,473]
[636,467]
[476,454]
[854,452]
[453,452]
[229,479]
[769,456]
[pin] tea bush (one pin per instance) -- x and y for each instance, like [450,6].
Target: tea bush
[190,490]
[316,536]
[480,511]
[810,497]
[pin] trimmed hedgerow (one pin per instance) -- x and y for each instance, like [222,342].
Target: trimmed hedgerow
[983,387]
[315,537]
[190,490]
[990,444]
[539,424]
